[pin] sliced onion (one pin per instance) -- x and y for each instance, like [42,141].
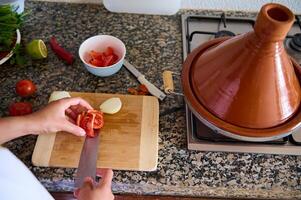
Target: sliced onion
[58,95]
[111,106]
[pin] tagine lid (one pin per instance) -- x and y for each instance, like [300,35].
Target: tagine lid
[247,81]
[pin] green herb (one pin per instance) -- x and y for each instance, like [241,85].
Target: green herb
[10,21]
[19,58]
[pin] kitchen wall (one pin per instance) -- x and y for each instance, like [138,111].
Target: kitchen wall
[246,5]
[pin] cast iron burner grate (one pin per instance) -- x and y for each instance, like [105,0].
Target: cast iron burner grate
[197,29]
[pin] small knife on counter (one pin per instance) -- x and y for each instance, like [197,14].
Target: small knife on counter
[141,78]
[88,160]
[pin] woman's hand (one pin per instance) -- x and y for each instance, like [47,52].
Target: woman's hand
[59,115]
[93,191]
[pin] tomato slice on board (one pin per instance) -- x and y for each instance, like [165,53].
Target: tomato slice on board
[79,119]
[98,118]
[87,124]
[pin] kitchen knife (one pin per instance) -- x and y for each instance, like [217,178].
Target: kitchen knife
[88,160]
[141,78]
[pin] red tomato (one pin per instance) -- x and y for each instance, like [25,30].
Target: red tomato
[109,51]
[20,108]
[96,62]
[108,60]
[103,59]
[143,89]
[97,118]
[133,91]
[25,88]
[90,121]
[96,55]
[87,124]
[79,118]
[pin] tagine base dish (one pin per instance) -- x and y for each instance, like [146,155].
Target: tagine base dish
[225,128]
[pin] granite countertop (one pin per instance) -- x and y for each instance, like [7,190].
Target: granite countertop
[154,43]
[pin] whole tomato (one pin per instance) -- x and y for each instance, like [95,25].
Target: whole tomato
[25,88]
[20,108]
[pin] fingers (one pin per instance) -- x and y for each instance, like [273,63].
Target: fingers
[71,114]
[76,192]
[106,177]
[78,109]
[88,183]
[67,102]
[72,128]
[75,101]
[71,120]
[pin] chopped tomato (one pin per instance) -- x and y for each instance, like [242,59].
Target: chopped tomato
[96,62]
[20,108]
[109,51]
[87,124]
[115,58]
[143,89]
[96,55]
[98,118]
[103,59]
[108,60]
[90,121]
[79,118]
[133,91]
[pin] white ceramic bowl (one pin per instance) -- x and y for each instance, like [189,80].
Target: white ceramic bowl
[10,54]
[100,43]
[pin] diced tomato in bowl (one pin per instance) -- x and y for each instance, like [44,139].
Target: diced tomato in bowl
[103,59]
[102,55]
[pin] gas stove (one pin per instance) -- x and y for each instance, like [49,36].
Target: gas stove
[197,29]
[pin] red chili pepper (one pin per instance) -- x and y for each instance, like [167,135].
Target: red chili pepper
[61,52]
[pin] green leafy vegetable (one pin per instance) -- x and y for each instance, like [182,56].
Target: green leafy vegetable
[10,21]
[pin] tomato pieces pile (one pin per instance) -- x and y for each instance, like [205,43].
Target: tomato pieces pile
[90,121]
[103,59]
[142,90]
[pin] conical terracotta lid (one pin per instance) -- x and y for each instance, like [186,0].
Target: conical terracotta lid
[249,80]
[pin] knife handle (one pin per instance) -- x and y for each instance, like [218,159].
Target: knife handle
[151,88]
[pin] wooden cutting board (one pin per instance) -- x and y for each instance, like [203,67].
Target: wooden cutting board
[128,140]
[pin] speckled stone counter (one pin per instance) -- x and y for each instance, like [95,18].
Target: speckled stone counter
[154,44]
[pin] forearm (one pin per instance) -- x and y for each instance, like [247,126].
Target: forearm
[13,127]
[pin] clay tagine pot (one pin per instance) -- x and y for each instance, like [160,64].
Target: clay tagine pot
[247,84]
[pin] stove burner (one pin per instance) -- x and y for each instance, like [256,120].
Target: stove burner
[223,33]
[295,42]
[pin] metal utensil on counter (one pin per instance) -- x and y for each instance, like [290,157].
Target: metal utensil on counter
[88,160]
[141,78]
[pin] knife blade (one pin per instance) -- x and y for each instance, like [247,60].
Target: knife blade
[141,78]
[88,160]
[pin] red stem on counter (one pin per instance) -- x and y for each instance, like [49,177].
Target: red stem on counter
[61,52]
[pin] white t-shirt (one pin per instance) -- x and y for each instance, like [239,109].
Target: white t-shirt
[16,180]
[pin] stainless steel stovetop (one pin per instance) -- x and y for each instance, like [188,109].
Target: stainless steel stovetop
[197,29]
